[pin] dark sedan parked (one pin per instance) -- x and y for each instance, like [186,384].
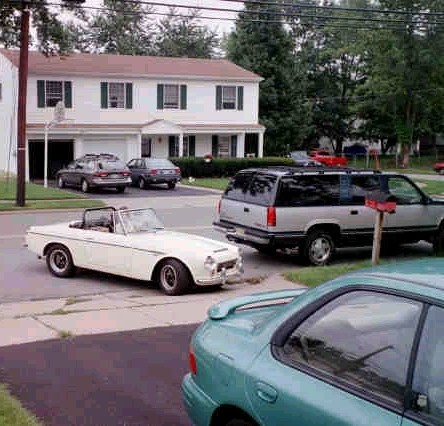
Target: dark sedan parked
[95,171]
[147,171]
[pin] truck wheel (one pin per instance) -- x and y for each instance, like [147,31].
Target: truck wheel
[318,248]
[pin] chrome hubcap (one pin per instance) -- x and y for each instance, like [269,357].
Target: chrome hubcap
[84,186]
[320,249]
[58,260]
[141,183]
[168,276]
[60,183]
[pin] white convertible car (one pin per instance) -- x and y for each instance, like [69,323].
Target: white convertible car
[134,243]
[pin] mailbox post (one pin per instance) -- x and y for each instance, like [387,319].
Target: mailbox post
[382,202]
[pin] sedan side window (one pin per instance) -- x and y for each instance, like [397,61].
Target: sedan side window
[428,379]
[361,340]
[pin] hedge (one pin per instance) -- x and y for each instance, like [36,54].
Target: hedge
[224,167]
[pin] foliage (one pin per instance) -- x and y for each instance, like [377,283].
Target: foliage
[179,35]
[222,167]
[12,413]
[265,47]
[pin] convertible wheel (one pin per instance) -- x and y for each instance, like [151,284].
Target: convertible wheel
[60,182]
[318,248]
[85,186]
[171,185]
[142,183]
[174,278]
[59,261]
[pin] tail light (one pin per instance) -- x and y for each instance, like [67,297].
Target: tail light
[271,216]
[126,173]
[218,206]
[178,170]
[192,359]
[153,172]
[101,174]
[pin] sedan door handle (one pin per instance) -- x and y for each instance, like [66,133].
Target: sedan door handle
[354,212]
[246,209]
[266,392]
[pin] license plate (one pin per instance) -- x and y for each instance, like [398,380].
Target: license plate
[167,172]
[114,176]
[240,231]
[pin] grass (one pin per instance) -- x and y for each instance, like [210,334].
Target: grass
[64,334]
[213,183]
[52,204]
[432,187]
[35,192]
[314,275]
[12,413]
[74,300]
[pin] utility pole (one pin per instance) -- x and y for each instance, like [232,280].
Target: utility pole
[21,113]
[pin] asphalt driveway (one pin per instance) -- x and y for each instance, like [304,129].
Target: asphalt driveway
[131,378]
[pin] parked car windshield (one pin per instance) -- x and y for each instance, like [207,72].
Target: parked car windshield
[159,163]
[111,165]
[134,221]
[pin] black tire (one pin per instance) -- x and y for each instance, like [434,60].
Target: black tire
[318,248]
[84,185]
[171,185]
[173,277]
[60,182]
[120,189]
[59,261]
[438,242]
[141,183]
[239,422]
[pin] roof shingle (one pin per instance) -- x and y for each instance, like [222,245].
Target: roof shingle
[132,66]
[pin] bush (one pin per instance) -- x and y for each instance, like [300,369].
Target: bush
[224,167]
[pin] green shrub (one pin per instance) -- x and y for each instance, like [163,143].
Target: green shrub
[224,167]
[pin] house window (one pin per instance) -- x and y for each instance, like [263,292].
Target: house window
[228,97]
[53,92]
[116,95]
[171,96]
[224,147]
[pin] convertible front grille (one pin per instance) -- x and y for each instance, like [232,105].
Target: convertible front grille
[227,265]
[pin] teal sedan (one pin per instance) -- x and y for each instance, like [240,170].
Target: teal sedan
[364,349]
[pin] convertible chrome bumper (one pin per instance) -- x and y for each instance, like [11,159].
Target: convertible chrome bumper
[223,277]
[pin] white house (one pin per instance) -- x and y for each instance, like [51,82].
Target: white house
[131,106]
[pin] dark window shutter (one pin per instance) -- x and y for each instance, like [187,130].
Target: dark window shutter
[214,145]
[240,98]
[183,96]
[192,146]
[104,95]
[68,94]
[41,93]
[171,146]
[218,97]
[129,95]
[234,146]
[160,96]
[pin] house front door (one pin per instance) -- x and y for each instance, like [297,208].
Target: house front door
[146,146]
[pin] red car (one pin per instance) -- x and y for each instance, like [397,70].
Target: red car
[439,168]
[324,157]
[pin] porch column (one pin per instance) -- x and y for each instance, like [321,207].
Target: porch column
[78,146]
[27,161]
[139,145]
[180,145]
[240,145]
[260,148]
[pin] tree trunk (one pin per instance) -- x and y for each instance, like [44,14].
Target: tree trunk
[405,156]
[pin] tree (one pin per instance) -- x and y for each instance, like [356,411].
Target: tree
[120,27]
[406,81]
[183,35]
[261,44]
[53,36]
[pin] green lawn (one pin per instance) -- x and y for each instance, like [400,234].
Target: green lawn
[12,412]
[34,192]
[314,275]
[53,204]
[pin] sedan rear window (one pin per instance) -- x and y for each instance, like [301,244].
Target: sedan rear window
[159,163]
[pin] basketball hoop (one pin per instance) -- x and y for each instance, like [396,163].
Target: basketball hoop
[59,112]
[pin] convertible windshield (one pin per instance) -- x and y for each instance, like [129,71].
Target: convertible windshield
[133,221]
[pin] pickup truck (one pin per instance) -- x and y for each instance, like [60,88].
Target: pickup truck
[324,157]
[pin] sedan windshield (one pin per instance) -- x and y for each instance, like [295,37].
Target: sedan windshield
[134,221]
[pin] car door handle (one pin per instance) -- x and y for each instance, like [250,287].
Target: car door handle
[354,212]
[266,392]
[246,209]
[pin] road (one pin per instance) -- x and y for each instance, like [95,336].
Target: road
[24,277]
[130,378]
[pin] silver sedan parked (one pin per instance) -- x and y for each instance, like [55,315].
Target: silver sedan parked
[147,171]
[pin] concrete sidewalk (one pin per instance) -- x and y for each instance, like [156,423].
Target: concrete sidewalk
[118,311]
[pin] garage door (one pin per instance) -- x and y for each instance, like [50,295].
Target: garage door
[110,147]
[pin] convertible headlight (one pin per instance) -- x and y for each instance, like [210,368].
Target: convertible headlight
[210,264]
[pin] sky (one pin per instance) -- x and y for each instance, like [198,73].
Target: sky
[220,26]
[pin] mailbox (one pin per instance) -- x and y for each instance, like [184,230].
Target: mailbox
[381,201]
